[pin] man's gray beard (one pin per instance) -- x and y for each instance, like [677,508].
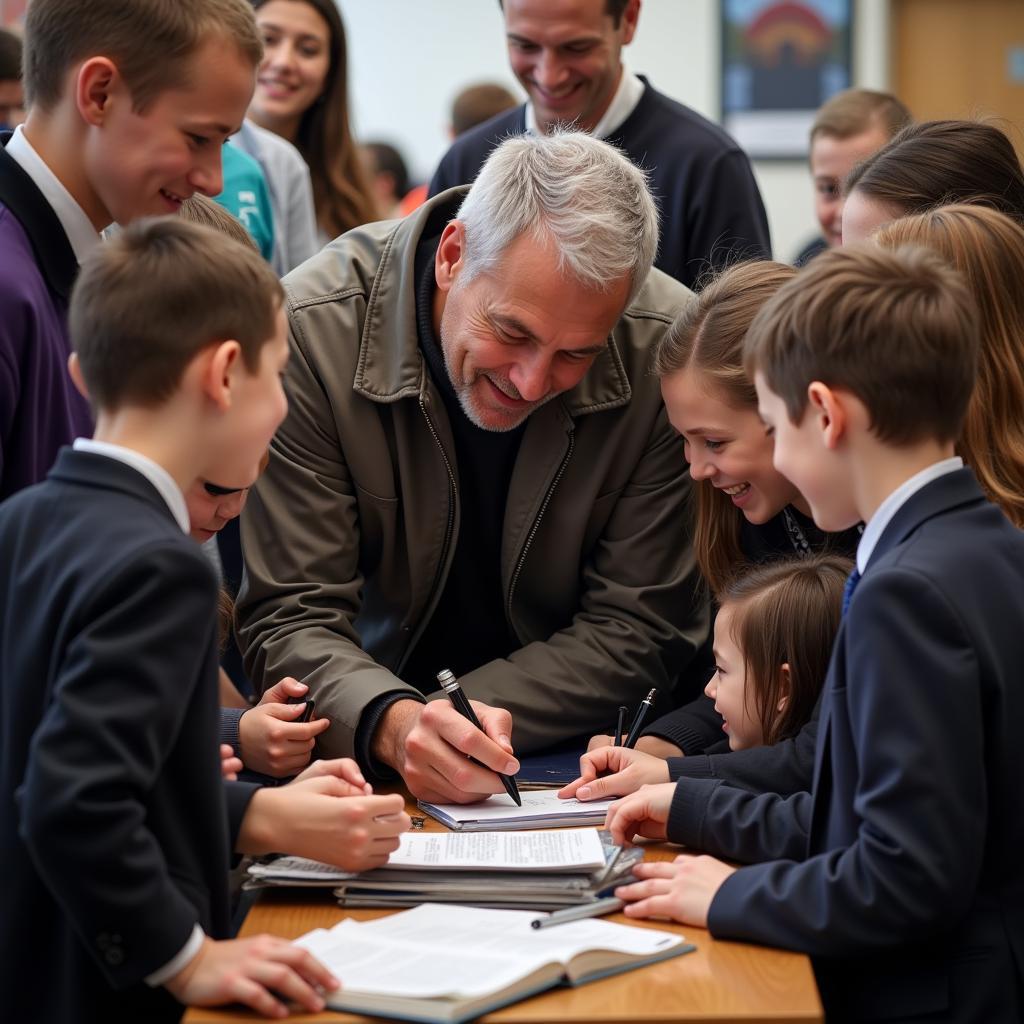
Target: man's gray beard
[462,391]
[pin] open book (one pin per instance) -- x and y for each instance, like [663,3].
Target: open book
[444,963]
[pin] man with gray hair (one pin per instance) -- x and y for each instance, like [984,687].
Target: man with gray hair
[477,473]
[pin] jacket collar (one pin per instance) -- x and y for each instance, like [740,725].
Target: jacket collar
[942,495]
[390,365]
[87,469]
[18,192]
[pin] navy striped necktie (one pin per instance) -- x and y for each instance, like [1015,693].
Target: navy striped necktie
[851,585]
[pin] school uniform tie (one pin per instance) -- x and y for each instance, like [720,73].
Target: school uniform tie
[851,585]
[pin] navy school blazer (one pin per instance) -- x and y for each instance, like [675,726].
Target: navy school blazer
[115,825]
[902,872]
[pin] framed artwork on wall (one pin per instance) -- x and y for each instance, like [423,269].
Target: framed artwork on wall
[781,59]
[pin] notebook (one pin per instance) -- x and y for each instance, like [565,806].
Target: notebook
[541,809]
[452,964]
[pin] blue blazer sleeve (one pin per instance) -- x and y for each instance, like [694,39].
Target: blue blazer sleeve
[910,732]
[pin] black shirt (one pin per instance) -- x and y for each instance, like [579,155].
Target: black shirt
[468,627]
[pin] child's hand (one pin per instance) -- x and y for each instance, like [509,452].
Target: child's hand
[653,745]
[270,740]
[251,971]
[318,818]
[230,765]
[343,768]
[643,813]
[632,769]
[682,890]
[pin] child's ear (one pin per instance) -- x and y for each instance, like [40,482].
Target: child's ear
[785,687]
[829,411]
[95,82]
[220,362]
[450,253]
[75,370]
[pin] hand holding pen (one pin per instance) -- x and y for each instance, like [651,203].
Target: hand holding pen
[451,687]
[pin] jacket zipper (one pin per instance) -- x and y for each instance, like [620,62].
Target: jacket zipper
[447,535]
[535,527]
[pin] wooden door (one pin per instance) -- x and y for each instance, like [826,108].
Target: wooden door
[960,58]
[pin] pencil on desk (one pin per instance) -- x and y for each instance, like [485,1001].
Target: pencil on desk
[608,905]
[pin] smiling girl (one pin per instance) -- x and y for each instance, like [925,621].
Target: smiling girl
[302,95]
[773,636]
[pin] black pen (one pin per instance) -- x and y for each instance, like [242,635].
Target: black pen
[451,687]
[638,721]
[620,725]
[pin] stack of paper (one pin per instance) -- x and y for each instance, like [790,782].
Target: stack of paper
[540,809]
[452,964]
[527,870]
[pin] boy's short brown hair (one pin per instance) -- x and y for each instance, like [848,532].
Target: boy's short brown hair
[898,329]
[200,209]
[147,301]
[855,111]
[150,41]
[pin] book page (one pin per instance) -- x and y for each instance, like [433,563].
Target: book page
[433,950]
[510,933]
[540,804]
[509,851]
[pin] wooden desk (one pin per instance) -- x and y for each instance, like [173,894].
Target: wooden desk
[718,983]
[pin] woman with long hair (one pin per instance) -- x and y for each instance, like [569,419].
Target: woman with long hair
[302,95]
[987,247]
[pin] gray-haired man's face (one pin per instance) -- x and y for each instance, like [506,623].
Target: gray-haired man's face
[520,335]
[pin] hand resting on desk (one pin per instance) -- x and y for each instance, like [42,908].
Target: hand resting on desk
[632,769]
[251,971]
[429,745]
[681,890]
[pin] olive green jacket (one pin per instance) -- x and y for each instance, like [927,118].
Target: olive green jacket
[349,534]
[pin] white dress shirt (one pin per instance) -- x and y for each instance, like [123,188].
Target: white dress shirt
[883,514]
[77,226]
[623,103]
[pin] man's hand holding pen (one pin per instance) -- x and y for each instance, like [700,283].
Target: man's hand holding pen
[430,746]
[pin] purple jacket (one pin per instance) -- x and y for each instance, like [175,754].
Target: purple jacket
[40,409]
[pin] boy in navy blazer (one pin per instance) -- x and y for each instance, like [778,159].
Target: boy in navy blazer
[115,825]
[901,873]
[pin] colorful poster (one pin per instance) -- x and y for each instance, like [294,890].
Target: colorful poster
[780,62]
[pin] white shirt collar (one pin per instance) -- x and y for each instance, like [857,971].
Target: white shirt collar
[623,103]
[883,514]
[152,471]
[77,226]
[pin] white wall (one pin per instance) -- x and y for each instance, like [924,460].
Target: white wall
[408,59]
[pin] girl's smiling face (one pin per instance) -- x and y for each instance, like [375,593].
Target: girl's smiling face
[728,688]
[726,446]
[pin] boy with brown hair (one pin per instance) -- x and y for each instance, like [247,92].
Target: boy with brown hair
[900,873]
[114,834]
[130,103]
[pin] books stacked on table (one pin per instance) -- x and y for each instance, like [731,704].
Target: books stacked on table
[523,870]
[452,964]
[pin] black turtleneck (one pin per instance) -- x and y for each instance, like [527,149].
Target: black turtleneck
[468,627]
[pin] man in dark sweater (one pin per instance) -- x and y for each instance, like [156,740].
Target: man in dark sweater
[568,59]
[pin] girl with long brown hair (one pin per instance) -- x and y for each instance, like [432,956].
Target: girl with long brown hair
[302,95]
[987,247]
